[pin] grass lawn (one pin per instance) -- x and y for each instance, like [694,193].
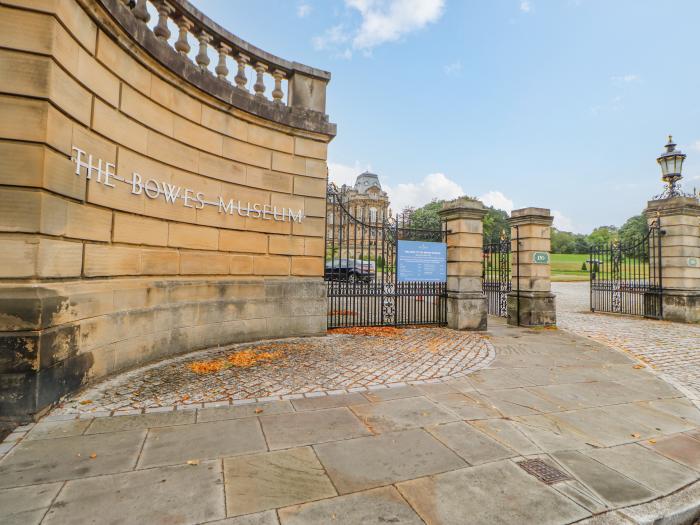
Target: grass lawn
[567,267]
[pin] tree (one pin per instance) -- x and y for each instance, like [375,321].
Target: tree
[603,235]
[426,217]
[634,230]
[495,224]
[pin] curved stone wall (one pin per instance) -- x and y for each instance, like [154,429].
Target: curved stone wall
[147,205]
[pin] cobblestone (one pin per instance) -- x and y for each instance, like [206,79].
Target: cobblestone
[306,367]
[672,349]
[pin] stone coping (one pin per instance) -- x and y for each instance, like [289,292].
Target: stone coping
[180,65]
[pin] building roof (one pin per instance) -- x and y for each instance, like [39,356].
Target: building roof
[367,180]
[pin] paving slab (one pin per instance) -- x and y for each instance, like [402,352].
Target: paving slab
[179,444]
[495,378]
[605,429]
[340,400]
[33,462]
[27,505]
[369,462]
[181,494]
[507,434]
[578,492]
[377,506]
[518,402]
[643,415]
[262,518]
[431,389]
[314,426]
[611,486]
[470,444]
[679,447]
[550,433]
[274,479]
[682,408]
[468,406]
[645,466]
[681,507]
[397,392]
[652,388]
[401,414]
[499,492]
[57,429]
[103,425]
[238,411]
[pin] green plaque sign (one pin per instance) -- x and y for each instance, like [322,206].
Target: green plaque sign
[540,258]
[692,261]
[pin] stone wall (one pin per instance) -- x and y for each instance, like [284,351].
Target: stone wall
[99,272]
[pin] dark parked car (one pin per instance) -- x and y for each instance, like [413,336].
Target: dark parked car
[350,270]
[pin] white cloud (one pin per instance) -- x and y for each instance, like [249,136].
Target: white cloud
[629,78]
[433,186]
[303,10]
[381,21]
[497,200]
[388,20]
[562,222]
[344,174]
[331,38]
[525,6]
[695,145]
[453,69]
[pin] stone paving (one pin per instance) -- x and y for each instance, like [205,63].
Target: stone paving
[305,366]
[672,349]
[626,444]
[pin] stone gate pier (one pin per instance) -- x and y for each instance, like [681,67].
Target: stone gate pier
[150,203]
[679,220]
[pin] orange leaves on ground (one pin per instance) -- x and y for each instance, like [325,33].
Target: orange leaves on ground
[370,331]
[240,359]
[342,312]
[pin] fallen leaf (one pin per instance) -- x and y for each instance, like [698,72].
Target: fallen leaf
[93,455]
[258,410]
[185,397]
[652,441]
[635,435]
[639,366]
[193,462]
[86,402]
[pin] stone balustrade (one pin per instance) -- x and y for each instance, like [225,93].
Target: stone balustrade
[184,39]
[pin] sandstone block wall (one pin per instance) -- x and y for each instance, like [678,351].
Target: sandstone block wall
[97,277]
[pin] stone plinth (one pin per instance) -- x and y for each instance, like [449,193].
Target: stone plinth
[531,301]
[679,219]
[466,304]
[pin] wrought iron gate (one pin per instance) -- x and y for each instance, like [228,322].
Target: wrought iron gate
[496,276]
[360,271]
[626,278]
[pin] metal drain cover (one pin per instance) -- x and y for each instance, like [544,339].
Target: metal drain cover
[543,471]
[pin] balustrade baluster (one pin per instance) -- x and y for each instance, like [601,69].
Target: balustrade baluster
[161,30]
[240,78]
[221,68]
[141,11]
[182,46]
[259,86]
[202,58]
[277,93]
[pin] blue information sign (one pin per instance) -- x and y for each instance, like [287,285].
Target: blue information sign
[422,261]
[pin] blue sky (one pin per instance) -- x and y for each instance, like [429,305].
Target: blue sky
[563,104]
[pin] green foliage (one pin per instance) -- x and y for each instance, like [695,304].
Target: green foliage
[584,268]
[633,230]
[604,235]
[427,218]
[567,242]
[495,224]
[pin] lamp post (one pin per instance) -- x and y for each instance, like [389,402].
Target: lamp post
[671,162]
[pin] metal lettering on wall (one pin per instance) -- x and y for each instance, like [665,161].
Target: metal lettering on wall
[104,173]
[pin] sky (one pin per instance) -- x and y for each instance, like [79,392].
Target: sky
[560,104]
